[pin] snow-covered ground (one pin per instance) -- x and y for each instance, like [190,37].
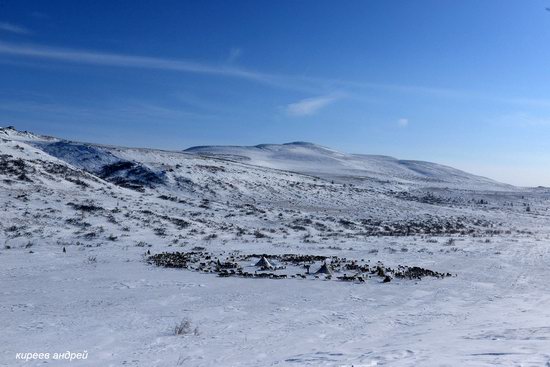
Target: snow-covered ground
[78,220]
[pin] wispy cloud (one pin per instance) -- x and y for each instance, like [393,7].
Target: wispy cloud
[403,122]
[13,28]
[305,84]
[95,58]
[112,59]
[310,106]
[120,111]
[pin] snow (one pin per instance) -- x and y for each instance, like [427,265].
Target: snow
[13,134]
[101,295]
[314,159]
[84,156]
[494,312]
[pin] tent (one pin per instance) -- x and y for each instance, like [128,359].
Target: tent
[324,269]
[263,262]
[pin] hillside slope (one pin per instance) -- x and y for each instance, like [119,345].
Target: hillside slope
[317,160]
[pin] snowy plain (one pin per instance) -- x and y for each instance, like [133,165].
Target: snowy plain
[78,220]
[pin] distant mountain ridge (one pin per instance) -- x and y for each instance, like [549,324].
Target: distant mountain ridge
[127,165]
[310,158]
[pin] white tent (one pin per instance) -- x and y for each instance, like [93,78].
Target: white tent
[324,269]
[263,262]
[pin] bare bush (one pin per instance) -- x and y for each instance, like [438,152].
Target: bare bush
[185,327]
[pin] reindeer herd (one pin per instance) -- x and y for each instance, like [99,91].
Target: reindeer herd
[289,266]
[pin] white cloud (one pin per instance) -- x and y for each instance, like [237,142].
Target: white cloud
[403,122]
[8,27]
[111,59]
[310,106]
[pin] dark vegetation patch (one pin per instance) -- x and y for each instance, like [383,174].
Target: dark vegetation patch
[174,199]
[131,175]
[427,198]
[67,173]
[78,222]
[211,169]
[88,207]
[371,227]
[178,222]
[15,167]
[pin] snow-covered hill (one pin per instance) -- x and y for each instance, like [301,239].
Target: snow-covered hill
[317,160]
[300,157]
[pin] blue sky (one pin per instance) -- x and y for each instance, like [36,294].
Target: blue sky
[464,83]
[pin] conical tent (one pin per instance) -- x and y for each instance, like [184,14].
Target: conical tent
[324,269]
[264,262]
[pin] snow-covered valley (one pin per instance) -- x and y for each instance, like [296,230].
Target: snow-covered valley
[80,222]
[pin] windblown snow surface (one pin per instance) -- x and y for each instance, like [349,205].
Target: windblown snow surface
[78,220]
